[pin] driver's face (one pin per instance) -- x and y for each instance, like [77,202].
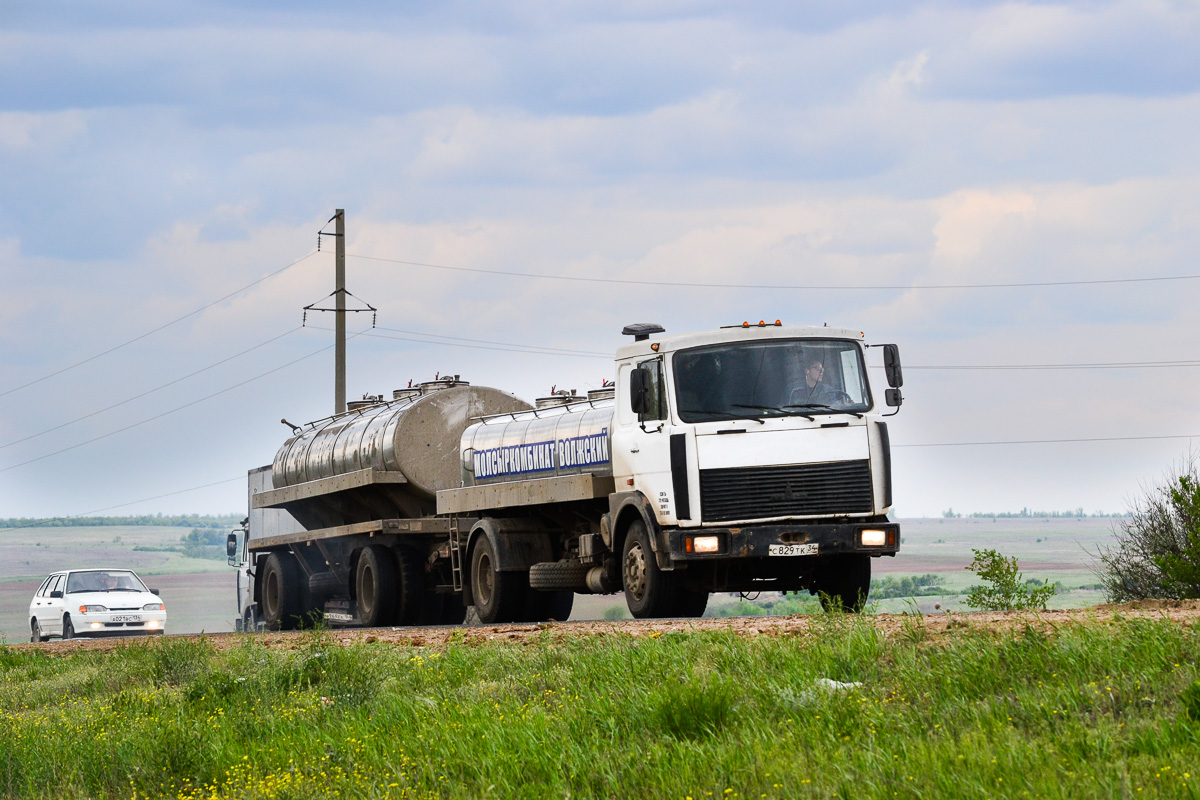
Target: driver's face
[814,372]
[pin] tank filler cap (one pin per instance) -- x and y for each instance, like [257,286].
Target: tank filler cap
[640,331]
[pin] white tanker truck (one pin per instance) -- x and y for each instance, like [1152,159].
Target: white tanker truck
[749,458]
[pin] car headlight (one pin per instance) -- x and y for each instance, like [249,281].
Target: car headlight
[91,609]
[154,607]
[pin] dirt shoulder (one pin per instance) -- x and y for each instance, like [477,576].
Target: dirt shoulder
[1185,612]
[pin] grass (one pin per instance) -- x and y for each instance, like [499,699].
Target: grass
[1087,710]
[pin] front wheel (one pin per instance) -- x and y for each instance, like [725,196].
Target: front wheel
[648,590]
[68,629]
[35,632]
[845,582]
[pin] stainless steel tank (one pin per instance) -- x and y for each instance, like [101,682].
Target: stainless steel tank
[559,440]
[416,434]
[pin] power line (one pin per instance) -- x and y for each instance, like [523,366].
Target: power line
[159,328]
[130,503]
[1096,365]
[173,410]
[151,391]
[812,287]
[1049,441]
[490,342]
[498,346]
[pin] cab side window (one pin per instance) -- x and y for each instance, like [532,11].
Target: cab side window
[658,394]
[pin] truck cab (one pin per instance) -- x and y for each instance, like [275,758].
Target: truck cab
[745,450]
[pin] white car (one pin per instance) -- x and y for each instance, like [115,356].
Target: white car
[95,602]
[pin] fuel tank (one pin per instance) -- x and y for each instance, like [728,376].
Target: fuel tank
[547,442]
[417,434]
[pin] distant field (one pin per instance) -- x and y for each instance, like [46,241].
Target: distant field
[199,592]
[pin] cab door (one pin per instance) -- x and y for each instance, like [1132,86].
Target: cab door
[645,442]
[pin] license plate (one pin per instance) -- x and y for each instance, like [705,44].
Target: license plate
[127,618]
[792,549]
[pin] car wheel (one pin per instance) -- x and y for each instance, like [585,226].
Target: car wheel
[649,592]
[68,628]
[36,630]
[281,592]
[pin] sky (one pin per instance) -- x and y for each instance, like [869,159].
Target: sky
[163,164]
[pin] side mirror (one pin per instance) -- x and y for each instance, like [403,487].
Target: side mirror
[893,398]
[639,390]
[155,591]
[233,549]
[891,367]
[56,594]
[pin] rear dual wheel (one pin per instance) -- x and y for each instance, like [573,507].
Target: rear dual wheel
[389,586]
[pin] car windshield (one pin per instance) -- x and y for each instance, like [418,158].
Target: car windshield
[104,580]
[789,377]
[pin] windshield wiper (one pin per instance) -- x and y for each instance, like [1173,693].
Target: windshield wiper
[826,408]
[726,414]
[783,410]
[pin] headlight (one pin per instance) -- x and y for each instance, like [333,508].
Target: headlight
[702,544]
[92,609]
[153,607]
[874,538]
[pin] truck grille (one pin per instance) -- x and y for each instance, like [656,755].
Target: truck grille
[833,489]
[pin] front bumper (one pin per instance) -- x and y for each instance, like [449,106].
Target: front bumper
[754,541]
[124,623]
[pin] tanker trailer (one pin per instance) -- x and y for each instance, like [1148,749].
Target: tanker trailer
[746,459]
[342,524]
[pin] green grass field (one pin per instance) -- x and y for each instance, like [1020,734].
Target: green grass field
[1081,710]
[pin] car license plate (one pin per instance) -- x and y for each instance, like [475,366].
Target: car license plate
[792,549]
[127,618]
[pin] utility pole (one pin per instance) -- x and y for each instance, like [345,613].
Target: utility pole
[339,290]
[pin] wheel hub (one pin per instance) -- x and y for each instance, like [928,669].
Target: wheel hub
[635,571]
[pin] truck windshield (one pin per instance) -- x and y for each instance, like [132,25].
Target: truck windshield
[789,377]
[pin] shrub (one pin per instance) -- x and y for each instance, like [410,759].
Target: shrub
[1191,701]
[1004,589]
[1157,550]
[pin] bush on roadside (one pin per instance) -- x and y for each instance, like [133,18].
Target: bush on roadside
[1157,550]
[1004,589]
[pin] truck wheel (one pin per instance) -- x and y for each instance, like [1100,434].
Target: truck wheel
[543,606]
[376,581]
[499,595]
[846,582]
[410,587]
[453,611]
[282,592]
[690,603]
[649,592]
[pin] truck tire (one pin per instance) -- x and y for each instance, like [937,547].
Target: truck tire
[499,594]
[550,575]
[845,583]
[543,606]
[453,611]
[691,603]
[649,592]
[376,582]
[410,587]
[283,592]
